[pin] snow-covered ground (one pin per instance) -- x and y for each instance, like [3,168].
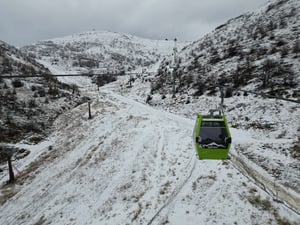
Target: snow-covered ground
[102,51]
[135,164]
[272,126]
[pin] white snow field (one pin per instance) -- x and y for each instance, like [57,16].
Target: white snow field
[131,164]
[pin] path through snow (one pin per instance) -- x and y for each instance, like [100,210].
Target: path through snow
[131,164]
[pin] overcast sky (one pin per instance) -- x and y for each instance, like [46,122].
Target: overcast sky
[24,22]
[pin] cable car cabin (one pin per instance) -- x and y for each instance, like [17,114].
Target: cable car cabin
[212,137]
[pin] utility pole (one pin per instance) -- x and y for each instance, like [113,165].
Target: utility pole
[89,105]
[174,66]
[10,169]
[7,153]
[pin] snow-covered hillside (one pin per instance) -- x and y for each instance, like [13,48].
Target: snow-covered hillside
[15,62]
[134,161]
[272,125]
[258,49]
[101,51]
[132,164]
[28,106]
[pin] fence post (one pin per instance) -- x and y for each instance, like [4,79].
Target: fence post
[10,168]
[90,115]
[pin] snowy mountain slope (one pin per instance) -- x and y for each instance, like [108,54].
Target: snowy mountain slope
[28,106]
[101,51]
[131,164]
[14,61]
[258,49]
[238,54]
[272,145]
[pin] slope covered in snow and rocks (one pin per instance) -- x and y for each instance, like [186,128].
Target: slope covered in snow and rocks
[134,162]
[15,62]
[259,49]
[101,51]
[29,105]
[131,164]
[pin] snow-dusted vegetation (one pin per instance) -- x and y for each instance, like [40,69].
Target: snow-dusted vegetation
[258,49]
[133,161]
[101,51]
[30,105]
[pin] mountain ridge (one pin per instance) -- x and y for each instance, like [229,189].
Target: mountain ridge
[100,51]
[240,52]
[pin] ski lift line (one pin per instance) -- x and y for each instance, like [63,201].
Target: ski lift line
[256,93]
[260,94]
[272,96]
[52,75]
[69,75]
[136,73]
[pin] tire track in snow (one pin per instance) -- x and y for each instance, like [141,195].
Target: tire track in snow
[289,200]
[189,167]
[177,189]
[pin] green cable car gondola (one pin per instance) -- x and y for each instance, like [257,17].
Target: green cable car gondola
[212,137]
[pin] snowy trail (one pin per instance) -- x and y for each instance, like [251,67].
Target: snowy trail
[276,191]
[242,165]
[128,142]
[176,191]
[129,164]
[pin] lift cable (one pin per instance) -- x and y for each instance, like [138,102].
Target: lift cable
[138,73]
[70,75]
[261,94]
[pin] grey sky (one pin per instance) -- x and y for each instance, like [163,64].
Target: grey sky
[27,21]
